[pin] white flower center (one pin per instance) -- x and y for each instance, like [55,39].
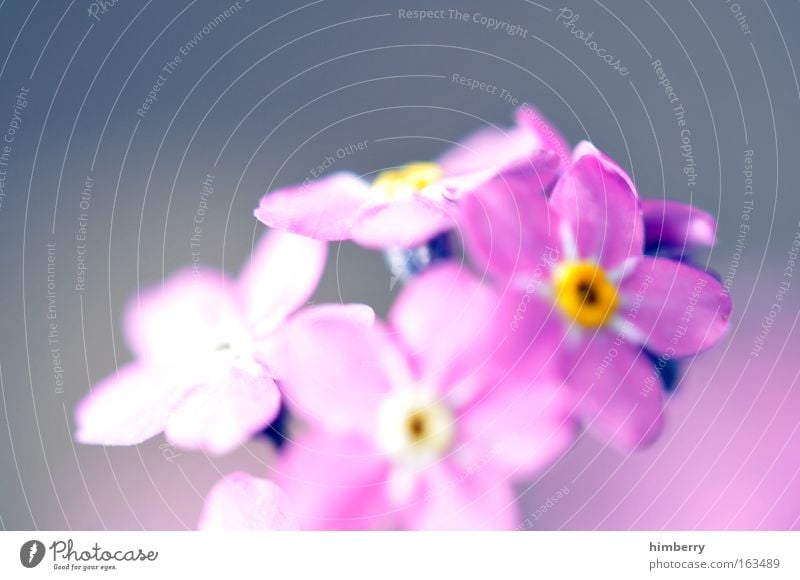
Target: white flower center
[232,346]
[415,429]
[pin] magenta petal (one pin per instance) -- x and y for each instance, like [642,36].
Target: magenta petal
[403,222]
[222,414]
[281,276]
[336,366]
[682,310]
[174,321]
[335,482]
[241,502]
[520,427]
[126,408]
[618,394]
[509,230]
[599,203]
[445,319]
[676,225]
[454,501]
[325,209]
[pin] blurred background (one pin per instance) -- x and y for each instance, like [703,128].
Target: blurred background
[100,184]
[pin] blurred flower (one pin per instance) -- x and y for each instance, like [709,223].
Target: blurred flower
[408,205]
[202,345]
[243,502]
[673,229]
[412,427]
[578,279]
[405,263]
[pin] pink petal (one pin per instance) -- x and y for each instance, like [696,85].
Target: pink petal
[500,151]
[126,408]
[445,319]
[172,322]
[601,207]
[336,365]
[490,148]
[531,331]
[281,276]
[335,482]
[219,416]
[586,148]
[517,427]
[677,225]
[535,175]
[551,139]
[403,222]
[455,500]
[241,502]
[618,394]
[676,309]
[509,230]
[325,209]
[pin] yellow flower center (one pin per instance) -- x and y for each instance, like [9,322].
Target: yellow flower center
[407,180]
[584,293]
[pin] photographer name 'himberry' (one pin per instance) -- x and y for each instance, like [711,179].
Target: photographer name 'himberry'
[676,547]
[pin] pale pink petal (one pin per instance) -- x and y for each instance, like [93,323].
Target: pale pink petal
[325,209]
[403,222]
[509,230]
[618,393]
[458,500]
[676,225]
[336,364]
[676,310]
[445,318]
[517,426]
[241,502]
[597,201]
[280,276]
[126,408]
[335,482]
[220,415]
[174,321]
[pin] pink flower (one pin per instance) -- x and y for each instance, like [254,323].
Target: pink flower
[243,502]
[411,425]
[409,205]
[199,340]
[579,279]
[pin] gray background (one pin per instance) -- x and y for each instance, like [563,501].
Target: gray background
[279,86]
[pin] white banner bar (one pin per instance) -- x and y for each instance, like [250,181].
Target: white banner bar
[402,556]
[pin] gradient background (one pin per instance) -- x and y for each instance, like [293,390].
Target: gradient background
[279,86]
